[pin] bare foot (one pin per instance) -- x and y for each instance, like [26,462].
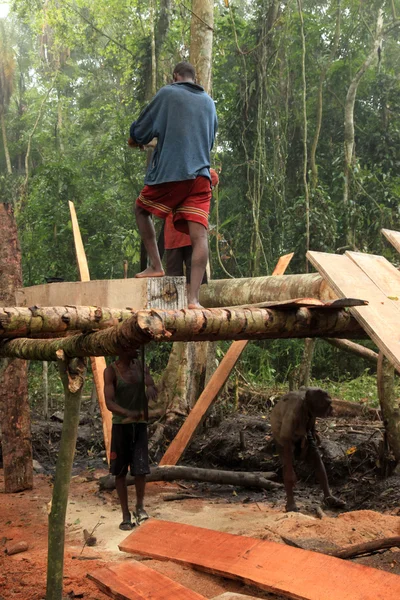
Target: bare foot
[291,507]
[195,305]
[333,502]
[150,272]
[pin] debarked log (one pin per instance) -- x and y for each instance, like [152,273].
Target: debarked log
[196,474]
[251,290]
[191,325]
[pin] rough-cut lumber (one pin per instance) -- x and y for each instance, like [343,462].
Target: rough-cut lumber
[250,290]
[213,388]
[381,272]
[354,348]
[381,318]
[79,249]
[367,547]
[173,473]
[135,581]
[162,292]
[393,237]
[274,567]
[191,325]
[98,362]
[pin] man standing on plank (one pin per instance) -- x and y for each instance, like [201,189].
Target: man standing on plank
[127,390]
[182,117]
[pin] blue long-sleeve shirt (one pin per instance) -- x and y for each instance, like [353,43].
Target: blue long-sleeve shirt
[183,118]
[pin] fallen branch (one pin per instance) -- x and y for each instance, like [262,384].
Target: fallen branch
[354,348]
[367,547]
[195,474]
[343,408]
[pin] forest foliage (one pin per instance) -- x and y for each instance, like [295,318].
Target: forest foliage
[75,73]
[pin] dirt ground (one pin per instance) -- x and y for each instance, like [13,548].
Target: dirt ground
[23,517]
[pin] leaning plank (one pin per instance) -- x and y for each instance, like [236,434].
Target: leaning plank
[98,362]
[274,567]
[134,581]
[380,319]
[393,237]
[213,388]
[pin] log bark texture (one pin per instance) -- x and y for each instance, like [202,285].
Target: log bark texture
[251,290]
[172,473]
[73,376]
[191,325]
[14,407]
[389,403]
[57,320]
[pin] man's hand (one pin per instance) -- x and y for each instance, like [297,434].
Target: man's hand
[131,416]
[151,392]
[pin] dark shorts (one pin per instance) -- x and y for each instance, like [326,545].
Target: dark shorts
[129,448]
[176,258]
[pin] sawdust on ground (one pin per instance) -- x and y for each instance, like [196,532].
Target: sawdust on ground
[23,517]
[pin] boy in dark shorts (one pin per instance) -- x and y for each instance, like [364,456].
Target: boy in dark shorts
[127,393]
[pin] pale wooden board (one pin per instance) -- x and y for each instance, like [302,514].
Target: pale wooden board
[380,319]
[393,237]
[381,272]
[134,581]
[273,567]
[79,249]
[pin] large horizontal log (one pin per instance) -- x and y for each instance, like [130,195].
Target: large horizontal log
[191,325]
[251,290]
[18,321]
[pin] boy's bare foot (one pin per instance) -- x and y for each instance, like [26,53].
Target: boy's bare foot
[150,272]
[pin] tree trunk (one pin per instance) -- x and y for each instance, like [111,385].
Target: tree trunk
[168,473]
[5,143]
[72,376]
[192,325]
[14,407]
[389,403]
[251,290]
[201,40]
[349,116]
[45,378]
[57,320]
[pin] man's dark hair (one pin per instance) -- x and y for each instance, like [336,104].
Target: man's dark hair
[185,69]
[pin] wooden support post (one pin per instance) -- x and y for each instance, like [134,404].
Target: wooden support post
[98,363]
[211,391]
[73,376]
[389,403]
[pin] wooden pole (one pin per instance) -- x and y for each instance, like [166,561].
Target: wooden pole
[72,375]
[211,391]
[98,362]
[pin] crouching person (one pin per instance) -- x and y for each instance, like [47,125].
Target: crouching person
[127,389]
[293,429]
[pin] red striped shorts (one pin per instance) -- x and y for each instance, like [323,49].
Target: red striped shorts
[188,201]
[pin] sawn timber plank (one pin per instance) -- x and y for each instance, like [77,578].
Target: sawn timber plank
[184,436]
[292,572]
[381,272]
[380,318]
[393,237]
[134,581]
